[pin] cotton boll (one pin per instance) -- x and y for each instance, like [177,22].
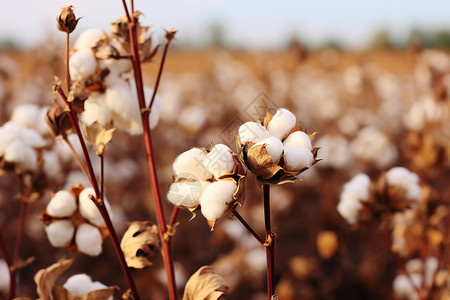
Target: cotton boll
[274,147]
[282,123]
[349,210]
[4,275]
[215,198]
[25,115]
[60,232]
[32,138]
[89,239]
[298,138]
[89,210]
[354,191]
[63,204]
[82,64]
[116,66]
[220,161]
[89,38]
[24,157]
[96,110]
[119,97]
[52,166]
[6,138]
[186,193]
[402,286]
[297,158]
[400,176]
[191,164]
[78,285]
[252,132]
[192,118]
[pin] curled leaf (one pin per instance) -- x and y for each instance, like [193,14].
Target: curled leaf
[45,278]
[138,244]
[98,136]
[205,284]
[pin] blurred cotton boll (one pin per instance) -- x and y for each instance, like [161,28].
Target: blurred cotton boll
[63,204]
[4,276]
[354,191]
[82,64]
[215,198]
[252,132]
[274,147]
[402,286]
[335,151]
[31,116]
[81,284]
[88,240]
[282,123]
[60,232]
[52,166]
[88,38]
[400,176]
[192,118]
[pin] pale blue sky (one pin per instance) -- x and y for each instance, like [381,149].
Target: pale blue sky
[248,23]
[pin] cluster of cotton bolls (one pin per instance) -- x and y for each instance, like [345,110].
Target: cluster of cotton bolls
[116,104]
[425,111]
[205,178]
[80,284]
[19,146]
[421,274]
[282,140]
[72,219]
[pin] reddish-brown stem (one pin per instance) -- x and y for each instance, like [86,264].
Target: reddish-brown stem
[102,176]
[132,7]
[161,67]
[145,114]
[125,7]
[98,200]
[270,244]
[67,63]
[248,227]
[173,218]
[12,282]
[400,263]
[77,158]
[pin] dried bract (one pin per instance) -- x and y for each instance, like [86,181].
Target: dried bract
[98,136]
[138,244]
[58,120]
[67,22]
[205,284]
[45,278]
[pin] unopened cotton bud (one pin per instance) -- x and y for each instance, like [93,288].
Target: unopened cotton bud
[88,39]
[67,22]
[89,210]
[82,64]
[252,132]
[186,193]
[191,165]
[220,161]
[298,138]
[282,123]
[63,204]
[297,158]
[215,198]
[60,232]
[274,147]
[89,240]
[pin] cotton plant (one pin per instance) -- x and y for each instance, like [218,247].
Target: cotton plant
[72,220]
[210,179]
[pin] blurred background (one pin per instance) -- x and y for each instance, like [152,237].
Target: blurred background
[372,77]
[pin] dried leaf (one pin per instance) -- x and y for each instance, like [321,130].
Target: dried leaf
[98,136]
[102,294]
[138,244]
[205,284]
[260,162]
[45,278]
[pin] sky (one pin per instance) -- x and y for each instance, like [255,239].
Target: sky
[249,23]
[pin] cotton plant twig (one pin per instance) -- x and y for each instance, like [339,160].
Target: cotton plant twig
[270,244]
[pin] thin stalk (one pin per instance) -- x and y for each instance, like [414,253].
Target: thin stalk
[270,244]
[77,158]
[161,67]
[145,116]
[12,283]
[102,176]
[67,62]
[400,263]
[98,200]
[248,227]
[173,218]
[125,7]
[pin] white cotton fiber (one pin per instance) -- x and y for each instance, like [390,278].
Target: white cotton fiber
[63,204]
[297,158]
[60,232]
[191,164]
[282,123]
[88,240]
[252,132]
[274,147]
[298,138]
[215,198]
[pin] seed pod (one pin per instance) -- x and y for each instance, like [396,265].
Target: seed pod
[67,22]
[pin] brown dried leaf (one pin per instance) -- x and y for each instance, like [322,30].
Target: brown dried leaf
[45,278]
[138,244]
[98,136]
[260,162]
[102,294]
[205,284]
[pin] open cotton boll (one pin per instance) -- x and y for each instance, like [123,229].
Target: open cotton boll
[116,66]
[6,138]
[297,158]
[349,209]
[220,161]
[63,204]
[400,176]
[215,198]
[89,239]
[82,64]
[60,232]
[186,193]
[88,38]
[20,154]
[119,97]
[402,286]
[298,138]
[26,115]
[191,164]
[282,123]
[96,109]
[354,191]
[4,275]
[32,138]
[252,132]
[89,210]
[78,285]
[52,166]
[274,147]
